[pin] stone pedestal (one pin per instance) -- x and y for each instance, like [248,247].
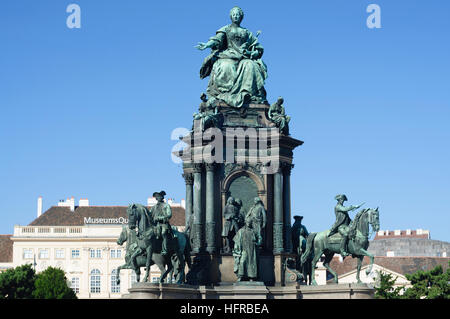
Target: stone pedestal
[251,159]
[249,290]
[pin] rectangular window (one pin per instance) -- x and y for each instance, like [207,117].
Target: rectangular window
[75,284]
[115,288]
[95,284]
[28,253]
[59,253]
[96,253]
[75,253]
[43,254]
[116,253]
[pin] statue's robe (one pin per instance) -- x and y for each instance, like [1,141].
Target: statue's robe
[258,214]
[230,224]
[235,78]
[245,254]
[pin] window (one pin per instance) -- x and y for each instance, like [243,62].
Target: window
[115,288]
[155,279]
[75,253]
[116,253]
[27,253]
[96,253]
[43,254]
[75,284]
[95,281]
[59,253]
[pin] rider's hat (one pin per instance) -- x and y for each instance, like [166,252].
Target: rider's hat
[340,196]
[162,193]
[297,217]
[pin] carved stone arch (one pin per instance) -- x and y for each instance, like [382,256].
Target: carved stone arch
[242,174]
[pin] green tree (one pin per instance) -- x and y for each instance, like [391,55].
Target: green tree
[52,284]
[431,284]
[17,283]
[385,287]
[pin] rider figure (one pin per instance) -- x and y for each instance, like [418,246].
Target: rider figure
[342,222]
[161,213]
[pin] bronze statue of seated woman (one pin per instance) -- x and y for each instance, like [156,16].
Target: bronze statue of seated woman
[235,68]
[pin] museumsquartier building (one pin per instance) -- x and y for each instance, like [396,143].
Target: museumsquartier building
[81,240]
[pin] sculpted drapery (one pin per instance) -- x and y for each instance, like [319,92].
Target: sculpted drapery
[237,73]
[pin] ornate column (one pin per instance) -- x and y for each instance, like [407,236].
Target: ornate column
[286,167]
[277,213]
[211,246]
[198,226]
[189,180]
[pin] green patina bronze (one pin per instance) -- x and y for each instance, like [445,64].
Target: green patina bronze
[345,237]
[237,73]
[257,214]
[300,235]
[245,252]
[151,240]
[278,116]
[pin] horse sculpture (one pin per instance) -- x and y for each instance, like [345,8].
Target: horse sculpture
[320,243]
[144,248]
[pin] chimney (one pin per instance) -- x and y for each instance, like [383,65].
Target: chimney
[183,203]
[170,201]
[83,202]
[72,204]
[39,206]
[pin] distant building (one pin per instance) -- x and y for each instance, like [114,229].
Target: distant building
[398,267]
[81,240]
[407,243]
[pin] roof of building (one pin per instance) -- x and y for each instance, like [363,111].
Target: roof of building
[401,265]
[6,249]
[62,216]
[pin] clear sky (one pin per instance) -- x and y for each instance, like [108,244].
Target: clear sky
[89,112]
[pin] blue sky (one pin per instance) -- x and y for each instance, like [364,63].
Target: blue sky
[89,112]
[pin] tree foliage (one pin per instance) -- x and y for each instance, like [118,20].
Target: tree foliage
[23,283]
[431,284]
[17,283]
[385,288]
[52,284]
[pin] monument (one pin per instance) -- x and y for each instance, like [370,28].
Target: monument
[236,166]
[239,148]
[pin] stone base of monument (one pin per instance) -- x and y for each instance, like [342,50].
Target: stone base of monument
[248,290]
[332,291]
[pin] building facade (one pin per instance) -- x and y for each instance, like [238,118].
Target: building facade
[82,240]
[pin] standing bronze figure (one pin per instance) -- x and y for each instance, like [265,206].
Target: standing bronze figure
[230,226]
[245,252]
[257,214]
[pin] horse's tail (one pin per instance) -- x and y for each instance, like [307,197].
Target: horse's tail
[309,247]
